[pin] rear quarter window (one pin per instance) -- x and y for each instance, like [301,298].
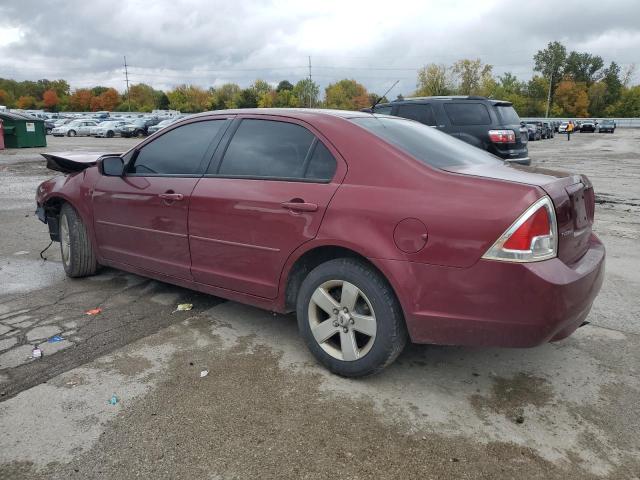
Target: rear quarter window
[467,113]
[508,115]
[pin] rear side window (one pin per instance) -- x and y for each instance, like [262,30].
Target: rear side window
[177,152]
[467,113]
[508,114]
[426,144]
[419,112]
[267,148]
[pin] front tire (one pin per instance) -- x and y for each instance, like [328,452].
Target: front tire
[78,257]
[110,134]
[71,133]
[350,318]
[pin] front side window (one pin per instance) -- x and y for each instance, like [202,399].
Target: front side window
[467,113]
[179,151]
[267,148]
[383,109]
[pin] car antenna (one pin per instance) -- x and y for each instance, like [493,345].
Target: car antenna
[383,95]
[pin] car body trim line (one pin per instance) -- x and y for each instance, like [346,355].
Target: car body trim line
[236,244]
[141,229]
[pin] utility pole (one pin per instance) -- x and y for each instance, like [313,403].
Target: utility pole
[549,96]
[126,79]
[309,89]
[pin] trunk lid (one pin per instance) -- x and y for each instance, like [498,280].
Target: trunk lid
[572,195]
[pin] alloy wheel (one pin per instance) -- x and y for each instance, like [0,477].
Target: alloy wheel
[342,320]
[65,239]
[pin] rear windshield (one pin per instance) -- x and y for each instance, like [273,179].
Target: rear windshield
[425,143]
[508,114]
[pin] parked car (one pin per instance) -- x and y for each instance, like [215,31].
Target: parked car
[534,130]
[373,229]
[49,125]
[162,124]
[555,124]
[492,125]
[548,129]
[588,126]
[563,127]
[139,127]
[108,129]
[73,128]
[607,126]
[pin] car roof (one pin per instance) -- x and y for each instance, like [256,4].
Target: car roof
[300,113]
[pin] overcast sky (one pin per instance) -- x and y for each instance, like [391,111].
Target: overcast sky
[210,42]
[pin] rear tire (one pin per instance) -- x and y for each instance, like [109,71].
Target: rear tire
[78,257]
[109,134]
[350,318]
[71,133]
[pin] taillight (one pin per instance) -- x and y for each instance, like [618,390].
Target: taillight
[502,136]
[531,238]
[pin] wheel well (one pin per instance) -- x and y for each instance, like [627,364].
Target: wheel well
[52,209]
[311,260]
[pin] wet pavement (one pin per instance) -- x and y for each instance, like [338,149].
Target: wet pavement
[266,409]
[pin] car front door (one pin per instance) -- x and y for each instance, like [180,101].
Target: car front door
[141,218]
[264,195]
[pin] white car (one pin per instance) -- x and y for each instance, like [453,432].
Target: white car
[107,129]
[71,129]
[563,127]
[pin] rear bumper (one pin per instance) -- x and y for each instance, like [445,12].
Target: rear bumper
[498,303]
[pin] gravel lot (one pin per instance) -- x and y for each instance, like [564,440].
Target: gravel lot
[565,410]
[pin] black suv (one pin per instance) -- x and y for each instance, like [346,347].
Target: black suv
[492,125]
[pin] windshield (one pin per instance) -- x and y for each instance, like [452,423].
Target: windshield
[424,143]
[508,114]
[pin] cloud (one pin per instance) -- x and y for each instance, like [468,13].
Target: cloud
[211,42]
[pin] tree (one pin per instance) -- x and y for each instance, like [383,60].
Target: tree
[628,105]
[307,91]
[26,101]
[248,98]
[550,63]
[572,98]
[597,98]
[142,97]
[611,78]
[346,95]
[225,96]
[109,99]
[5,99]
[50,100]
[284,85]
[471,75]
[433,79]
[583,67]
[189,98]
[260,87]
[80,100]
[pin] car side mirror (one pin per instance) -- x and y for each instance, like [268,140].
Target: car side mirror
[112,166]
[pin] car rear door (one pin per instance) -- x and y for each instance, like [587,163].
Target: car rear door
[263,196]
[141,218]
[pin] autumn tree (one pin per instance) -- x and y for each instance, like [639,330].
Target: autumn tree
[50,100]
[346,95]
[434,79]
[26,101]
[5,99]
[109,99]
[80,100]
[572,98]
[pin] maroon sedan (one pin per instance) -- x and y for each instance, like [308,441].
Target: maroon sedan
[373,229]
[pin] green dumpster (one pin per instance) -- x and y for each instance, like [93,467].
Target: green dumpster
[23,131]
